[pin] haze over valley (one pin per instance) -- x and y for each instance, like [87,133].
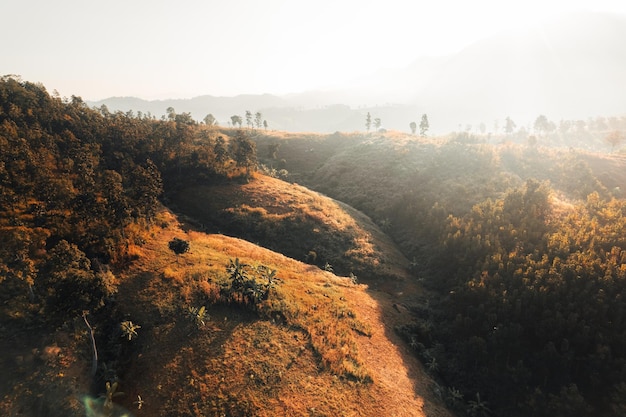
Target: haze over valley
[567,67]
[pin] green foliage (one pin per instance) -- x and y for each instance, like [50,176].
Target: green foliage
[245,287]
[533,303]
[70,284]
[244,152]
[111,392]
[198,315]
[73,179]
[236,120]
[424,125]
[478,408]
[179,246]
[209,120]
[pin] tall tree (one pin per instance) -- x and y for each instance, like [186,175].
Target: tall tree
[220,151]
[509,125]
[368,121]
[258,119]
[70,284]
[249,119]
[243,151]
[209,120]
[146,186]
[424,125]
[614,138]
[171,113]
[236,120]
[542,125]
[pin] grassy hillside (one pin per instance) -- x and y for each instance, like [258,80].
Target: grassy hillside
[107,303]
[393,176]
[522,249]
[299,223]
[318,345]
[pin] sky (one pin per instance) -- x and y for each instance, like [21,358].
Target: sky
[155,49]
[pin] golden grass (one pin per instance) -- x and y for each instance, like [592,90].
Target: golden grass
[305,297]
[311,349]
[306,327]
[294,220]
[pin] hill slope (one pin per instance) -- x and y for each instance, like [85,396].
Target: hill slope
[320,345]
[299,223]
[269,363]
[503,234]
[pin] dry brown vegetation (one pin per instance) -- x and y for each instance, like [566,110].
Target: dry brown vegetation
[102,308]
[320,345]
[299,223]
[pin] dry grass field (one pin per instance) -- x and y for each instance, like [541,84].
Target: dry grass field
[319,345]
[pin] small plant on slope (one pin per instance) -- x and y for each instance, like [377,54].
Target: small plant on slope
[198,315]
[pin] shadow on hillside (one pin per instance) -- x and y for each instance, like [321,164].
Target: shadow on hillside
[170,344]
[398,361]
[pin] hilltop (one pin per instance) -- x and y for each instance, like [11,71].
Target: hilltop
[304,225]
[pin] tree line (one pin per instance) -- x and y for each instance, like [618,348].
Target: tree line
[377,123]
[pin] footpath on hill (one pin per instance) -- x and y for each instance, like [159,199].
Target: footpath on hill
[399,377]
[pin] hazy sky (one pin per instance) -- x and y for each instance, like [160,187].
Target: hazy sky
[185,48]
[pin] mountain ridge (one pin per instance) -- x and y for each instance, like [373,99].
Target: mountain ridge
[577,74]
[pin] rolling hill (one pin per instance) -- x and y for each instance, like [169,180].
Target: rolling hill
[109,302]
[320,345]
[248,295]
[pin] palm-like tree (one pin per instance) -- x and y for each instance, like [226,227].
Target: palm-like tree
[478,408]
[110,394]
[237,271]
[129,329]
[198,315]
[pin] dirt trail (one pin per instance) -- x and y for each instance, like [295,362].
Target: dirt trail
[398,376]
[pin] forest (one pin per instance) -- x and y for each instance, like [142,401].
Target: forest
[525,271]
[76,181]
[530,307]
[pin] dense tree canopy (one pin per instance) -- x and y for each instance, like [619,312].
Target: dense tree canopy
[73,179]
[531,313]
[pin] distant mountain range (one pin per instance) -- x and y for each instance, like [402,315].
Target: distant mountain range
[569,67]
